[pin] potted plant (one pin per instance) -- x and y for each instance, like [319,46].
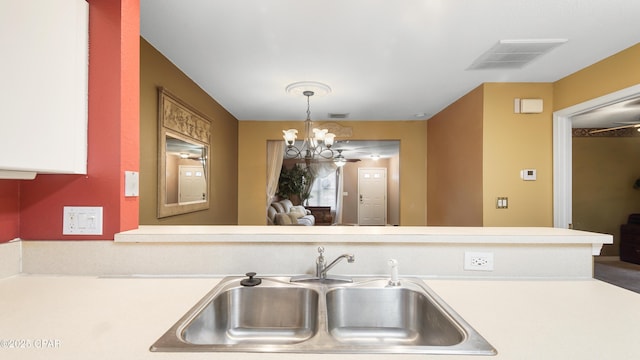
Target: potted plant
[292,184]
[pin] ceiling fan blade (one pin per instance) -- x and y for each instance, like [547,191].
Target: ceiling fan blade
[614,128]
[324,160]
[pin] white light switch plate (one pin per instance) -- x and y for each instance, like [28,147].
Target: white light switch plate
[82,220]
[131,183]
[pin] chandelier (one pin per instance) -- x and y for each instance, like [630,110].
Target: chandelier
[317,143]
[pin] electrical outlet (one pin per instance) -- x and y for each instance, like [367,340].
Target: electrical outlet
[82,220]
[477,261]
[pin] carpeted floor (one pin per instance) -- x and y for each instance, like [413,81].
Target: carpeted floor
[623,274]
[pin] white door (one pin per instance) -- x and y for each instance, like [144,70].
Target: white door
[372,196]
[191,184]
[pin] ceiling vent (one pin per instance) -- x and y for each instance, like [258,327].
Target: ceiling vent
[338,115]
[514,54]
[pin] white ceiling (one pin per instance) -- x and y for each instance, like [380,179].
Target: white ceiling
[383,59]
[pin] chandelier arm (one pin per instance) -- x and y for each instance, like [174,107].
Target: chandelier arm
[292,152]
[325,153]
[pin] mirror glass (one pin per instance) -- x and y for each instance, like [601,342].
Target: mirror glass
[185,171]
[183,156]
[325,182]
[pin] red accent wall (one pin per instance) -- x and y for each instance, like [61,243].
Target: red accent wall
[113,138]
[9,210]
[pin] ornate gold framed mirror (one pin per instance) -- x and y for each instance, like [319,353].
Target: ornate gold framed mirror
[183,157]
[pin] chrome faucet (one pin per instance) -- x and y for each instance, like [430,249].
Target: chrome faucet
[322,268]
[321,264]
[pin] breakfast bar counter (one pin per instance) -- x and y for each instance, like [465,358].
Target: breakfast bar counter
[80,317]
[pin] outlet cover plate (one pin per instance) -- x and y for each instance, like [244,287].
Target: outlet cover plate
[478,261]
[131,183]
[82,220]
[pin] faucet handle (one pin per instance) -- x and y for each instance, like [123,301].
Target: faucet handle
[320,250]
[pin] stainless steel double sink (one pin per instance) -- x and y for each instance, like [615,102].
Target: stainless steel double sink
[365,316]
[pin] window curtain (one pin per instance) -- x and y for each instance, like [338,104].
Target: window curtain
[275,156]
[322,169]
[317,170]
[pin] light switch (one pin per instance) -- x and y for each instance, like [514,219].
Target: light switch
[502,203]
[82,220]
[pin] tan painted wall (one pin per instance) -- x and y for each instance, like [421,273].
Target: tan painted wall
[155,71]
[454,163]
[614,73]
[476,149]
[603,194]
[253,136]
[512,142]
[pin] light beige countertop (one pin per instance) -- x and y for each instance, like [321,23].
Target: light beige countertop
[369,234]
[76,317]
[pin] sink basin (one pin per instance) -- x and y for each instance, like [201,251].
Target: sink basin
[266,315]
[395,316]
[234,317]
[366,316]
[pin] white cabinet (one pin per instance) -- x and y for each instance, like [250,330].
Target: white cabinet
[43,87]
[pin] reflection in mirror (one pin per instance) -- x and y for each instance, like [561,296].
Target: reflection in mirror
[328,182]
[186,171]
[183,153]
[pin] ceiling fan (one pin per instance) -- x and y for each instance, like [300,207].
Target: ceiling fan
[339,156]
[628,124]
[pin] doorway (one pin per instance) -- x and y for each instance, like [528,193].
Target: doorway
[562,151]
[372,196]
[192,184]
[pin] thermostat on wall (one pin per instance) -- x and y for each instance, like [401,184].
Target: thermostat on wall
[528,174]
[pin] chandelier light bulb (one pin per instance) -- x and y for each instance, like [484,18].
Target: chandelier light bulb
[320,133]
[290,136]
[328,139]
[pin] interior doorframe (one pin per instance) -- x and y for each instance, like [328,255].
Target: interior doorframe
[562,151]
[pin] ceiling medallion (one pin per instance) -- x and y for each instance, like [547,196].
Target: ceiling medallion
[299,88]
